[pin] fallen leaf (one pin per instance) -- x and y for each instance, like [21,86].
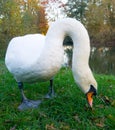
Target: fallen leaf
[13,128]
[110,86]
[12,94]
[98,121]
[113,103]
[106,100]
[50,127]
[111,117]
[100,125]
[64,126]
[100,106]
[8,121]
[76,117]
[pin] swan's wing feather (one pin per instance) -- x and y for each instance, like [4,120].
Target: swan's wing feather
[24,51]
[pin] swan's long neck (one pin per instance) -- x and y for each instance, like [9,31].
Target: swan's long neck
[81,51]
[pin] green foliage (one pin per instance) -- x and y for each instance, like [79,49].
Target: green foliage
[9,21]
[101,22]
[98,17]
[19,18]
[68,111]
[76,9]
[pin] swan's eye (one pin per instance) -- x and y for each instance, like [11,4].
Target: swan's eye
[92,89]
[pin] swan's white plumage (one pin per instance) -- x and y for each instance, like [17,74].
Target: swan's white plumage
[22,55]
[25,49]
[35,57]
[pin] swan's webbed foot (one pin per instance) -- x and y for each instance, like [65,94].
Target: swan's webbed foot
[28,104]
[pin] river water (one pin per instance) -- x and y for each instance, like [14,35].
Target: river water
[102,60]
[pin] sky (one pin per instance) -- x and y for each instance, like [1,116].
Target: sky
[54,11]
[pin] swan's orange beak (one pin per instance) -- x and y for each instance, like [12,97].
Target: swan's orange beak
[90,98]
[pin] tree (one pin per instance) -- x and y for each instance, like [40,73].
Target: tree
[19,17]
[55,9]
[33,16]
[76,9]
[43,24]
[10,21]
[100,18]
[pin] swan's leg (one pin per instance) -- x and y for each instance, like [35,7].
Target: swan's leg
[51,92]
[26,103]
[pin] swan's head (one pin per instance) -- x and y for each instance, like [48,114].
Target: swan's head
[90,91]
[89,95]
[88,86]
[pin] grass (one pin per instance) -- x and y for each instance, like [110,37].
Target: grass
[68,111]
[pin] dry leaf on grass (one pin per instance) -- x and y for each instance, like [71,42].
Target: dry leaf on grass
[50,127]
[98,121]
[105,99]
[113,103]
[111,117]
[76,117]
[100,125]
[13,128]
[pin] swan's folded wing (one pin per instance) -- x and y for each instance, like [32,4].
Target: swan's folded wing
[24,51]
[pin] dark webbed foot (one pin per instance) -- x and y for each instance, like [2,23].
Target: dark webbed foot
[28,104]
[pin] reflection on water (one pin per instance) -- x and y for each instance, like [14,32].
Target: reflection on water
[102,60]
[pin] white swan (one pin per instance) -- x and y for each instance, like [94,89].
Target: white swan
[34,57]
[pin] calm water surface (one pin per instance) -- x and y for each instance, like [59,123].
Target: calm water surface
[102,60]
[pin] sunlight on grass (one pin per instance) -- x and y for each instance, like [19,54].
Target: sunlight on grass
[68,111]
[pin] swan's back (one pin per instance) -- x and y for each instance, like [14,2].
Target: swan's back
[24,51]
